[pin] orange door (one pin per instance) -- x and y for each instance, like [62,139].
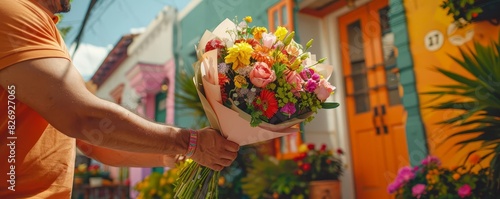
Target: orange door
[375,113]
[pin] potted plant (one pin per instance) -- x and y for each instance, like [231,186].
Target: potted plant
[477,102]
[81,175]
[322,168]
[429,180]
[270,178]
[467,11]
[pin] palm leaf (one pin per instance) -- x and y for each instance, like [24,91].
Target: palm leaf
[187,98]
[479,103]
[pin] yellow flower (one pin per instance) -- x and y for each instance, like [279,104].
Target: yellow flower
[163,181]
[239,81]
[303,148]
[239,54]
[152,192]
[248,19]
[280,57]
[281,33]
[221,181]
[257,32]
[295,65]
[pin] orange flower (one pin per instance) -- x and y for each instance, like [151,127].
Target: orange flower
[261,54]
[456,176]
[474,159]
[221,181]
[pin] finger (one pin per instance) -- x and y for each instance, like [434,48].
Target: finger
[228,155]
[216,167]
[232,146]
[225,162]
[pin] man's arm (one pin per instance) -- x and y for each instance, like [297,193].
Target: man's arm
[53,88]
[119,158]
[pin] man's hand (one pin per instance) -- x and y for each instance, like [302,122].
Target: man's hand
[213,150]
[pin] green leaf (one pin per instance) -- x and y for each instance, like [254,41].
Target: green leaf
[329,105]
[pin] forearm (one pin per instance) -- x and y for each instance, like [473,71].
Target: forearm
[121,158]
[108,125]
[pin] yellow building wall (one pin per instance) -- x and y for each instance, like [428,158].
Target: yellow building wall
[426,20]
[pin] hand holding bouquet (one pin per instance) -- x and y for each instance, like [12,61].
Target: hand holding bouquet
[254,86]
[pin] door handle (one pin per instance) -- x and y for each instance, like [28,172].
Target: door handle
[383,112]
[374,120]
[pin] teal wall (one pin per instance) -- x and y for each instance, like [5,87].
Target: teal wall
[415,131]
[206,16]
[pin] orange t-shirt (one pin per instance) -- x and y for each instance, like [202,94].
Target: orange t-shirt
[36,161]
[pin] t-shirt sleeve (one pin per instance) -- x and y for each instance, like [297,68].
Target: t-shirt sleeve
[27,32]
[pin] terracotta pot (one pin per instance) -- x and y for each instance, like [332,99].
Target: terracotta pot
[324,189]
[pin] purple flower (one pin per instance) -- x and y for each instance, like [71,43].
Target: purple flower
[315,77]
[394,186]
[288,109]
[307,73]
[431,160]
[415,169]
[406,174]
[223,68]
[311,85]
[418,190]
[304,74]
[464,191]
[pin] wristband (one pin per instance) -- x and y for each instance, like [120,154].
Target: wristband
[193,138]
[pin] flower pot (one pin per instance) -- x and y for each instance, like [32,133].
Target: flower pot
[95,181]
[490,11]
[324,189]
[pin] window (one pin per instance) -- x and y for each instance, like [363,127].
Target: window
[281,14]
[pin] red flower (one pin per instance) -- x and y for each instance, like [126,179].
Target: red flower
[306,167]
[340,152]
[474,15]
[311,146]
[267,103]
[323,148]
[253,42]
[223,80]
[300,157]
[214,44]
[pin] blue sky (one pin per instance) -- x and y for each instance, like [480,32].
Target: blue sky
[109,21]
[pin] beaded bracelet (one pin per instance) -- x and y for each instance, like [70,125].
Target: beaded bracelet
[193,137]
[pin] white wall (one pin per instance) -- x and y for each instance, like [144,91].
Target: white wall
[153,46]
[330,126]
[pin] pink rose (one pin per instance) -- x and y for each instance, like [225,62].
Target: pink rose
[261,75]
[294,79]
[324,90]
[268,40]
[464,191]
[418,190]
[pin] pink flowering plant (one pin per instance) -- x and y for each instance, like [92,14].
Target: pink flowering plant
[269,75]
[431,181]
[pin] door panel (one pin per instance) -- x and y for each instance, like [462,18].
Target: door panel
[375,113]
[360,80]
[389,100]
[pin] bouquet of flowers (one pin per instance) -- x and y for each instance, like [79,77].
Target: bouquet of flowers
[254,86]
